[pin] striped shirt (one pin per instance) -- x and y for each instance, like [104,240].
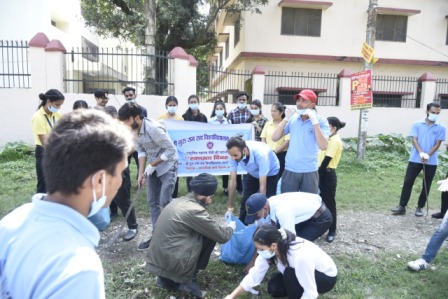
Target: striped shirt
[237,117]
[152,142]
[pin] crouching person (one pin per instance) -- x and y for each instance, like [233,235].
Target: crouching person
[305,270]
[185,237]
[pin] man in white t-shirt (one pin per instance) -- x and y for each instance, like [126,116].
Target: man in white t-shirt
[47,247]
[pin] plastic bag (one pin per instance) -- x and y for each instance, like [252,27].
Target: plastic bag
[240,248]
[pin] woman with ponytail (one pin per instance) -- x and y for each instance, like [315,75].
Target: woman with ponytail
[43,121]
[305,270]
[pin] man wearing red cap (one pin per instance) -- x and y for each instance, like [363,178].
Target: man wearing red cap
[308,132]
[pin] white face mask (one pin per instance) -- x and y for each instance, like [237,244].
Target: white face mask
[132,101]
[265,219]
[300,112]
[242,105]
[433,117]
[266,254]
[96,205]
[219,113]
[171,109]
[194,106]
[254,112]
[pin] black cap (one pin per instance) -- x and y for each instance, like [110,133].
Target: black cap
[204,184]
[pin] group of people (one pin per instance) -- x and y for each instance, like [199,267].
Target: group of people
[85,167]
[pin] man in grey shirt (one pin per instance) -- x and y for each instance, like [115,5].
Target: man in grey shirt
[155,146]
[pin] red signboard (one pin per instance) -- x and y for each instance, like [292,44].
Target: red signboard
[361,90]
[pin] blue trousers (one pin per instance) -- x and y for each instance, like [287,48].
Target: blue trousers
[437,240]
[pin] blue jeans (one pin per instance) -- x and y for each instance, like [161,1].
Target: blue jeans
[436,241]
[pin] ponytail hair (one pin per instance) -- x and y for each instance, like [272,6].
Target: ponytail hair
[53,95]
[267,234]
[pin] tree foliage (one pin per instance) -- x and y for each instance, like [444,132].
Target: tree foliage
[179,22]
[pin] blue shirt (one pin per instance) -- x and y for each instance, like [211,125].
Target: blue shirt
[48,250]
[262,160]
[427,136]
[303,148]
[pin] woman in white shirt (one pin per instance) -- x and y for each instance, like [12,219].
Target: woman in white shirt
[305,270]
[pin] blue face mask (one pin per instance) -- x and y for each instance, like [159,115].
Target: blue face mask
[96,205]
[242,106]
[300,112]
[194,106]
[132,101]
[53,109]
[254,112]
[219,113]
[266,219]
[266,254]
[433,117]
[171,109]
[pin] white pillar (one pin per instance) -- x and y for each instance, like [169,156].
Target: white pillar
[258,81]
[37,61]
[428,89]
[193,70]
[55,62]
[181,69]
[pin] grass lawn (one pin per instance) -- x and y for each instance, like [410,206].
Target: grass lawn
[371,185]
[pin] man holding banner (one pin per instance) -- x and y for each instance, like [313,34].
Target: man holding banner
[262,167]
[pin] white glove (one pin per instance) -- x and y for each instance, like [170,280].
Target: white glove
[149,170]
[312,115]
[424,156]
[289,112]
[443,185]
[228,214]
[232,225]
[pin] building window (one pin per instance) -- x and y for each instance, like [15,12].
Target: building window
[391,28]
[387,100]
[220,59]
[227,48]
[236,31]
[89,50]
[301,21]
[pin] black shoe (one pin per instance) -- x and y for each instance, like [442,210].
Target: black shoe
[113,216]
[330,237]
[192,289]
[225,192]
[399,210]
[166,283]
[418,212]
[144,246]
[438,215]
[130,234]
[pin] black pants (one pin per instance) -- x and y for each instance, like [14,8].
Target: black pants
[281,159]
[239,182]
[134,155]
[327,185]
[39,153]
[287,284]
[251,186]
[176,189]
[123,199]
[444,200]
[314,228]
[411,174]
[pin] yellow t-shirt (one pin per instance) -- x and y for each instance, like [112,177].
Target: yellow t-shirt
[167,116]
[43,123]
[334,151]
[268,131]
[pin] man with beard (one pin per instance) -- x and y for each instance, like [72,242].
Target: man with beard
[154,146]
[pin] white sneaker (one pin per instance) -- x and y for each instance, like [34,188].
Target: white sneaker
[418,265]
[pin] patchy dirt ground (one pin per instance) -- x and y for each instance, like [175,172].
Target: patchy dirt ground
[358,233]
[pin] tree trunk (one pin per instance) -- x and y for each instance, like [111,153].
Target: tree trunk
[150,44]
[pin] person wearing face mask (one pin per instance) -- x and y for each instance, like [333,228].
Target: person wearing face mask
[193,114]
[241,113]
[256,118]
[185,238]
[427,136]
[171,105]
[328,162]
[308,133]
[47,246]
[304,270]
[154,145]
[262,167]
[43,121]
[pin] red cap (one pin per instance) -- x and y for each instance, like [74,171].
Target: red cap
[307,95]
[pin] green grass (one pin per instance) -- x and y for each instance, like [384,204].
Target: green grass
[370,185]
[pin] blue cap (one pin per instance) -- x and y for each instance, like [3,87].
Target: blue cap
[254,204]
